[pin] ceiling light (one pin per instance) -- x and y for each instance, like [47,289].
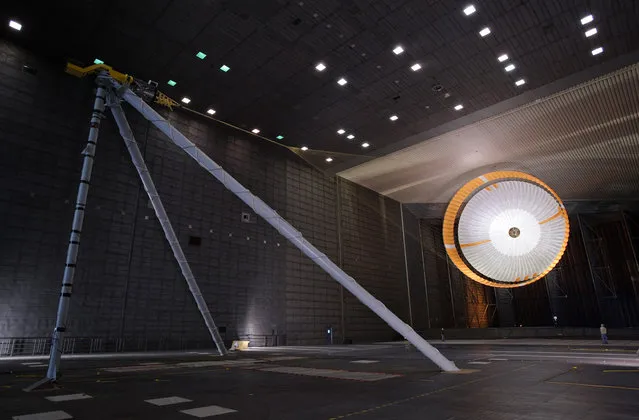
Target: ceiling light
[459,107]
[280,137]
[416,67]
[200,55]
[342,82]
[393,118]
[502,58]
[484,31]
[255,131]
[520,82]
[365,145]
[15,25]
[596,51]
[304,148]
[509,67]
[469,10]
[350,137]
[341,131]
[225,68]
[586,19]
[320,67]
[329,159]
[590,32]
[210,111]
[398,50]
[186,100]
[98,61]
[171,83]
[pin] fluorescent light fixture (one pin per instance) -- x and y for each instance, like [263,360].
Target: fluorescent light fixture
[320,67]
[484,31]
[350,137]
[469,10]
[398,50]
[586,19]
[341,131]
[590,32]
[329,159]
[342,82]
[520,82]
[393,118]
[596,51]
[459,107]
[502,58]
[210,111]
[171,83]
[200,55]
[304,148]
[98,61]
[15,25]
[509,67]
[279,137]
[416,67]
[225,68]
[365,145]
[255,131]
[186,100]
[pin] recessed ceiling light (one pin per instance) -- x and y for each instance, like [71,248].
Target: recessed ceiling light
[469,10]
[590,32]
[342,82]
[520,82]
[15,25]
[459,107]
[398,50]
[350,137]
[280,137]
[365,145]
[502,58]
[320,67]
[225,68]
[586,19]
[329,159]
[98,61]
[509,67]
[255,131]
[484,31]
[186,100]
[393,118]
[210,111]
[597,51]
[304,148]
[416,67]
[171,83]
[200,55]
[341,131]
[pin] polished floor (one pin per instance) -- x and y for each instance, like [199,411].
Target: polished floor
[559,380]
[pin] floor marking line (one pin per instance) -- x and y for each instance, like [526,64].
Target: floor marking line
[167,401]
[621,371]
[49,415]
[69,397]
[365,361]
[437,391]
[208,411]
[629,388]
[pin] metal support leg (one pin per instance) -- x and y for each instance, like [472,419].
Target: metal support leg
[160,212]
[74,241]
[288,231]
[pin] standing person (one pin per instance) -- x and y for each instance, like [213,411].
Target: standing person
[443,336]
[604,334]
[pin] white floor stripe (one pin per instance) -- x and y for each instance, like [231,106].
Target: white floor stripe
[331,373]
[50,415]
[365,362]
[498,360]
[31,363]
[478,363]
[209,411]
[167,401]
[38,366]
[69,397]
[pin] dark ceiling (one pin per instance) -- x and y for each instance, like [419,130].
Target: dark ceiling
[272,47]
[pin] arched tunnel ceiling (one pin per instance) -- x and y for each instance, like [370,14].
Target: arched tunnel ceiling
[583,142]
